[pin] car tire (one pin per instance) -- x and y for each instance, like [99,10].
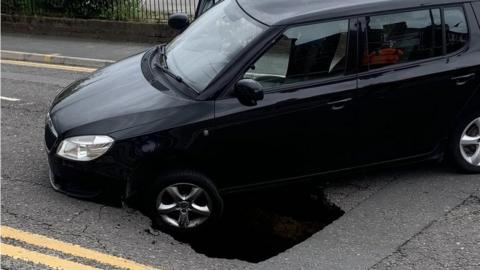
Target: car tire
[464,144]
[184,202]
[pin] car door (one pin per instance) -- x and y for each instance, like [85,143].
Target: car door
[462,62]
[303,124]
[413,84]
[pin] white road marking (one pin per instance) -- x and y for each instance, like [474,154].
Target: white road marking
[9,99]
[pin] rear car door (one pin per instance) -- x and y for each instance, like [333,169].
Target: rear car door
[303,124]
[415,80]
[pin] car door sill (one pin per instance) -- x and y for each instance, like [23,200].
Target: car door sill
[307,178]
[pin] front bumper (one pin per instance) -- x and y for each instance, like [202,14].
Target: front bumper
[108,174]
[66,176]
[81,180]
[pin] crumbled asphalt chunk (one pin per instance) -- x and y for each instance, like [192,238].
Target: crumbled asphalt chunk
[153,231]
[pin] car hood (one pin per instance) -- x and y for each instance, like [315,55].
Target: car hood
[115,98]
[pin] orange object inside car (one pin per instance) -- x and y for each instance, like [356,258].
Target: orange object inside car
[387,56]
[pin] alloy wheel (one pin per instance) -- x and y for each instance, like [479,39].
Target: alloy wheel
[470,143]
[184,206]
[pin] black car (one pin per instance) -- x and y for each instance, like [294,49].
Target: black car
[261,93]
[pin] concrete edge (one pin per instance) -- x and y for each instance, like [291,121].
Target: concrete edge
[54,59]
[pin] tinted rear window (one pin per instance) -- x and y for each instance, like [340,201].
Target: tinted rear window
[403,37]
[457,29]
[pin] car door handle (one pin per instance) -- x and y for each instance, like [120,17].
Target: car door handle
[462,80]
[339,104]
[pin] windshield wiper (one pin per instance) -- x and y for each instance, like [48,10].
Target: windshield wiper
[163,64]
[163,55]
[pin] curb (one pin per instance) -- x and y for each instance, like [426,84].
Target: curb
[55,59]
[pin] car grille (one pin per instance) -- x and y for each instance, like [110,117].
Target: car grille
[50,134]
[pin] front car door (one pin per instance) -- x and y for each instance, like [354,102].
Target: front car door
[303,124]
[414,82]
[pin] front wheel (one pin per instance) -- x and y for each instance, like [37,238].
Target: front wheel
[465,144]
[184,202]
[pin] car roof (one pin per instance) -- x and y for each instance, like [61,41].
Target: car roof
[284,12]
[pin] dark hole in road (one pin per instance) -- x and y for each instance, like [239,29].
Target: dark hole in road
[257,226]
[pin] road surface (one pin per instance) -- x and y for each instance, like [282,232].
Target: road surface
[421,217]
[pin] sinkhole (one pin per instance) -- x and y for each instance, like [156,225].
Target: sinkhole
[259,225]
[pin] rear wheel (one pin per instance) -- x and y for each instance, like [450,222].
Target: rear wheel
[465,144]
[184,202]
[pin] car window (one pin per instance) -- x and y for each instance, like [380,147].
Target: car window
[303,53]
[456,27]
[205,48]
[205,5]
[403,37]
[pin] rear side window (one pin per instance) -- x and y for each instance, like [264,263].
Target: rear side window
[304,53]
[403,37]
[457,29]
[415,35]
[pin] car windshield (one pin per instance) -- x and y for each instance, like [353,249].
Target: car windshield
[200,53]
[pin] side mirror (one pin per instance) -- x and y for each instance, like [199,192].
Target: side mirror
[248,92]
[179,21]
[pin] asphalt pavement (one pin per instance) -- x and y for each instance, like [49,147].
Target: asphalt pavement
[418,217]
[29,204]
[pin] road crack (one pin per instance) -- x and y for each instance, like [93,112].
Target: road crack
[400,249]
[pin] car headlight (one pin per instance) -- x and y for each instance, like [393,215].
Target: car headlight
[84,148]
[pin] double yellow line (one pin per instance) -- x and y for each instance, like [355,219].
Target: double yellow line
[21,253]
[50,66]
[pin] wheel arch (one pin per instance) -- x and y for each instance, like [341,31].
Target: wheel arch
[150,168]
[473,104]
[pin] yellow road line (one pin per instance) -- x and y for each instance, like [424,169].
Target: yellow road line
[9,98]
[51,66]
[67,248]
[39,258]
